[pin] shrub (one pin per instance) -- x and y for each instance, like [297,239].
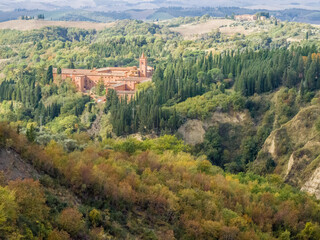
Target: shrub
[71,221]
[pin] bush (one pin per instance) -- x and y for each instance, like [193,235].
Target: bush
[58,235]
[71,221]
[318,125]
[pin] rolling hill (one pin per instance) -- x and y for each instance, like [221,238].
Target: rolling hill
[25,25]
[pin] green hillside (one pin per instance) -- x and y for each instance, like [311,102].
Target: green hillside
[222,144]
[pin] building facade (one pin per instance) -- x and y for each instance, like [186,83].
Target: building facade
[121,79]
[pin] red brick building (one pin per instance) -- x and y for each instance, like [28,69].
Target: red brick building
[122,79]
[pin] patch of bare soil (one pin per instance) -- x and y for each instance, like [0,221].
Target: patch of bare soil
[14,167]
[193,131]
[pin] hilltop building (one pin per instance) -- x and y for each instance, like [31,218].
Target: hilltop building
[249,17]
[245,17]
[122,79]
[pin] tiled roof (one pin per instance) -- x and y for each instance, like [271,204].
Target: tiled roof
[74,71]
[135,79]
[118,85]
[116,69]
[90,73]
[118,73]
[126,92]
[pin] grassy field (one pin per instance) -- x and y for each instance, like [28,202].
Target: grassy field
[25,25]
[225,26]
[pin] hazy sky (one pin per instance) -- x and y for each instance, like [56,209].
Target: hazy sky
[119,4]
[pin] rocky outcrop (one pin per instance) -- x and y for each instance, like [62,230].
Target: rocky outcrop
[312,186]
[193,131]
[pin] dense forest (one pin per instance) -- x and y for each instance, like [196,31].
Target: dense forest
[123,169]
[251,73]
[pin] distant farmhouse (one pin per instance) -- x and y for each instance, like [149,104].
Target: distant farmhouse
[246,17]
[249,17]
[123,80]
[39,17]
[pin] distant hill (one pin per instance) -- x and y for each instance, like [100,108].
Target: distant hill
[109,5]
[25,25]
[158,13]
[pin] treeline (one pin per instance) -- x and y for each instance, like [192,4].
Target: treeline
[215,12]
[25,91]
[32,89]
[136,28]
[48,33]
[121,46]
[177,80]
[263,71]
[125,51]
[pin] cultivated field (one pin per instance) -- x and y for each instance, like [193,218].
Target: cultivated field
[190,31]
[25,25]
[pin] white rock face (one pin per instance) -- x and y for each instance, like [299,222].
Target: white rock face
[290,165]
[192,132]
[312,186]
[272,149]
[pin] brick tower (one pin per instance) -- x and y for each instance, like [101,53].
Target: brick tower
[143,66]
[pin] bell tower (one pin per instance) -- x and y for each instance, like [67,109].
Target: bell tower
[143,66]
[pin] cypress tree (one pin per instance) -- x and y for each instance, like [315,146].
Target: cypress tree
[49,76]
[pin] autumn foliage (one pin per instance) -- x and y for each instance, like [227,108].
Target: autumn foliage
[148,194]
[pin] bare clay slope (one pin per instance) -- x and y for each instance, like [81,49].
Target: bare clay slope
[193,131]
[295,150]
[14,167]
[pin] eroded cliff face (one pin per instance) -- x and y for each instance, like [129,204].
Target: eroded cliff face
[233,128]
[295,150]
[193,131]
[312,186]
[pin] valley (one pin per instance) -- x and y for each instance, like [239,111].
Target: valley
[194,127]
